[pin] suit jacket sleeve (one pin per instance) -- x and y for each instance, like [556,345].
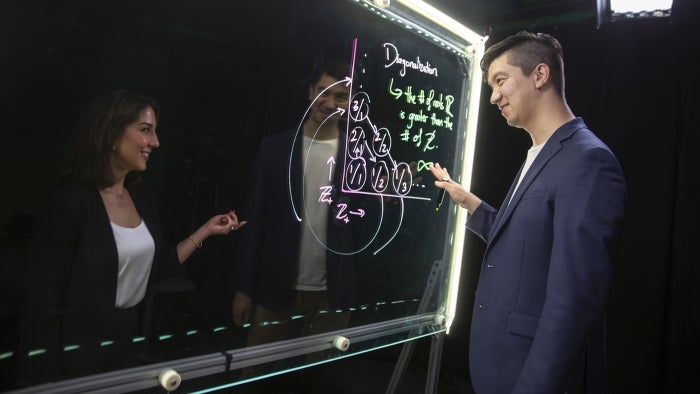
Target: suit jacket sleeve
[481,220]
[250,235]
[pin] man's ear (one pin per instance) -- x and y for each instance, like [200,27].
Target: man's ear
[541,73]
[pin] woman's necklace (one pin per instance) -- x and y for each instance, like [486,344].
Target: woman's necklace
[122,195]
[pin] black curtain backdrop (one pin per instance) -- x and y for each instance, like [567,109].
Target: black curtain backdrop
[635,83]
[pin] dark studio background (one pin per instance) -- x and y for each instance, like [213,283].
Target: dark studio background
[634,83]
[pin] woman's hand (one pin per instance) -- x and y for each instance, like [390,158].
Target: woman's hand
[217,225]
[224,224]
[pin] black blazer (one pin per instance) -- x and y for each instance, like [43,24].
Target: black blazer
[72,295]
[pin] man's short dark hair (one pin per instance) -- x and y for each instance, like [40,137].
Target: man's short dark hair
[526,50]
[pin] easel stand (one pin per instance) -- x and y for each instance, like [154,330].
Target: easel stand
[435,357]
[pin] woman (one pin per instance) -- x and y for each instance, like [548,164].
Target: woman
[100,242]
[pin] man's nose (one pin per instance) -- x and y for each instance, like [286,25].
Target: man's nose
[495,97]
[340,102]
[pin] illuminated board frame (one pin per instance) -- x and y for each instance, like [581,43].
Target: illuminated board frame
[442,30]
[446,32]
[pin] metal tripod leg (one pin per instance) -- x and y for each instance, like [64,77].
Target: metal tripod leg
[436,274]
[434,361]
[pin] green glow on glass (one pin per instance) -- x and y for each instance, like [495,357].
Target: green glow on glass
[36,352]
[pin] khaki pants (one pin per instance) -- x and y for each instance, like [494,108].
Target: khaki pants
[309,313]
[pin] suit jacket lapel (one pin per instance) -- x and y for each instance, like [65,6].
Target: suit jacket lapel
[548,151]
[550,148]
[504,205]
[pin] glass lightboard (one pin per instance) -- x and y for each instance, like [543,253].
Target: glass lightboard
[228,75]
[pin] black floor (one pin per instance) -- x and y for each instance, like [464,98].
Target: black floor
[365,375]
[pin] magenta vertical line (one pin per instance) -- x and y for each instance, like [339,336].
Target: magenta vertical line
[353,59]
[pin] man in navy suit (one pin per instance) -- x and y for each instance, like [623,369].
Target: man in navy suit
[538,323]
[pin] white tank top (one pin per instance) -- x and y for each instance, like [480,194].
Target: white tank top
[136,249]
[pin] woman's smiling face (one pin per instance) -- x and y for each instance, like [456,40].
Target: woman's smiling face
[136,144]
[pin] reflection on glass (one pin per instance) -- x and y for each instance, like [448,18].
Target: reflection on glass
[296,264]
[342,236]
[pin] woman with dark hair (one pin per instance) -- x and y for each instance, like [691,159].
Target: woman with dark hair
[99,241]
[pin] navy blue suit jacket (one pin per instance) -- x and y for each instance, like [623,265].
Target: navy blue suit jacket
[268,246]
[538,320]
